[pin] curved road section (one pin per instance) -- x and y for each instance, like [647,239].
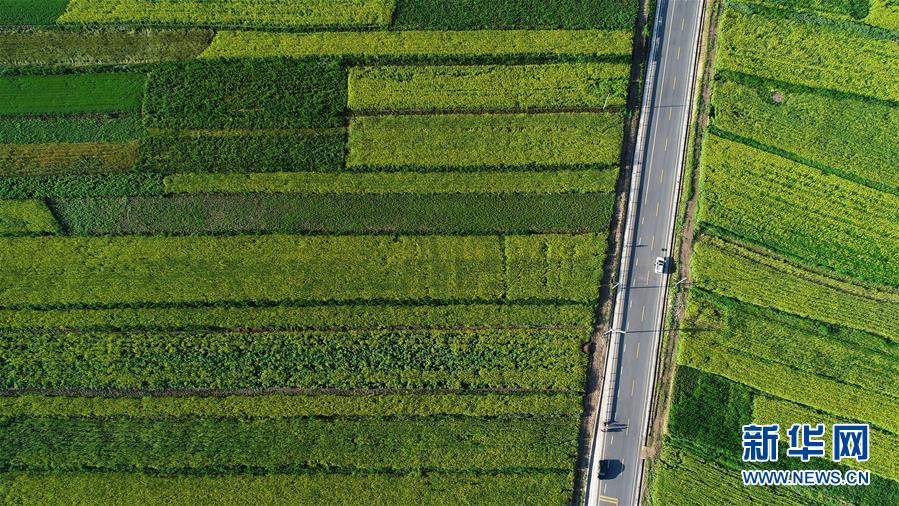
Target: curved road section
[616,461]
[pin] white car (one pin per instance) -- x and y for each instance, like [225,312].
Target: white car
[661,265]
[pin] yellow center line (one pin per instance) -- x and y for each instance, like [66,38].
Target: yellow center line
[652,244]
[657,208]
[638,351]
[674,84]
[610,500]
[669,114]
[661,176]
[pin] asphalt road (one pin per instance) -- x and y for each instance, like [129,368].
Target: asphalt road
[629,377]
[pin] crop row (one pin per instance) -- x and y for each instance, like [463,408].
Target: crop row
[242,150]
[212,446]
[388,359]
[75,93]
[852,138]
[109,185]
[474,14]
[459,140]
[246,94]
[776,45]
[823,219]
[490,87]
[529,359]
[705,352]
[843,354]
[835,9]
[249,13]
[399,45]
[493,182]
[26,217]
[768,410]
[338,316]
[76,48]
[337,213]
[438,489]
[58,129]
[143,269]
[291,406]
[66,158]
[763,280]
[30,12]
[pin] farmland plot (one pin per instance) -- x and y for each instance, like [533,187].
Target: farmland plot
[250,13]
[505,140]
[488,87]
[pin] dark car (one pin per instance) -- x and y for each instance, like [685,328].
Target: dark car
[609,469]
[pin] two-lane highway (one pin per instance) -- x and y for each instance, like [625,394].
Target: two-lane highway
[637,322]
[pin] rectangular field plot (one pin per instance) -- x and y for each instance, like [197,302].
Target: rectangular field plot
[246,94]
[57,129]
[738,272]
[564,315]
[31,12]
[473,14]
[488,87]
[258,13]
[305,488]
[816,55]
[393,359]
[99,47]
[822,219]
[297,405]
[26,217]
[136,269]
[77,93]
[421,44]
[212,445]
[853,138]
[80,185]
[550,181]
[67,158]
[170,151]
[341,213]
[506,140]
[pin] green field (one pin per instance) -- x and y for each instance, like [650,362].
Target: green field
[304,251]
[488,87]
[274,13]
[79,93]
[399,45]
[505,140]
[99,46]
[790,316]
